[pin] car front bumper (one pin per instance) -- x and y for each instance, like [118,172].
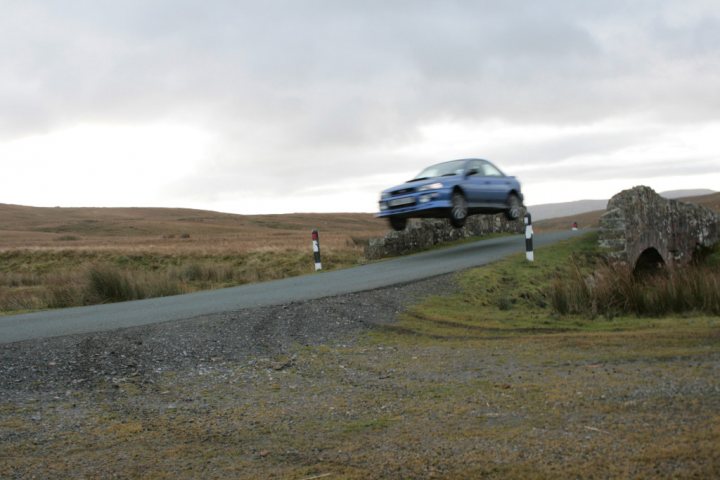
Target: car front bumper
[422,204]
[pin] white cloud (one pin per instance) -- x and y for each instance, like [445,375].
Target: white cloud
[100,165]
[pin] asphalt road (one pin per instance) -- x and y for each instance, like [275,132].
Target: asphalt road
[324,284]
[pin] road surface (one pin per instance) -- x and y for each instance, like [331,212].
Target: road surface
[325,284]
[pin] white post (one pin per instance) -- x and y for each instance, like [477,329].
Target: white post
[529,254]
[316,249]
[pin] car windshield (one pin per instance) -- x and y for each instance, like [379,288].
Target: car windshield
[454,167]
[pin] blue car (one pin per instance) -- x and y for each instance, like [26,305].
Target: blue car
[453,190]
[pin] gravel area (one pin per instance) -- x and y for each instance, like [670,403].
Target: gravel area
[48,366]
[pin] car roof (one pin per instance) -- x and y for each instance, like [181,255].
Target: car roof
[461,160]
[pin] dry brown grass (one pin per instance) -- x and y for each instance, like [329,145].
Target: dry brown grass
[176,230]
[48,255]
[614,290]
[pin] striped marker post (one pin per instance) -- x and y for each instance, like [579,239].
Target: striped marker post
[316,249]
[529,254]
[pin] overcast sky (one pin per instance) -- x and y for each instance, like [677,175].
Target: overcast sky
[285,106]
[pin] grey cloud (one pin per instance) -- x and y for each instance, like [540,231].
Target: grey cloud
[471,61]
[623,168]
[305,90]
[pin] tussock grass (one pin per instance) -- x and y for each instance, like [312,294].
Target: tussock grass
[613,290]
[32,280]
[110,284]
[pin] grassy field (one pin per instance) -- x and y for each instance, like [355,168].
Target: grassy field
[489,382]
[58,257]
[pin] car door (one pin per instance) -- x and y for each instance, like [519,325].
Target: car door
[496,184]
[474,182]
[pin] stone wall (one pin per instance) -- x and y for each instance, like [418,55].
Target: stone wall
[639,219]
[425,233]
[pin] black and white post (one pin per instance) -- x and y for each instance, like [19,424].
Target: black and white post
[529,254]
[316,249]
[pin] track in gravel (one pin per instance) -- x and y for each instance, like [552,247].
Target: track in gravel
[367,277]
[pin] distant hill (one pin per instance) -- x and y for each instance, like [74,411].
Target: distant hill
[557,210]
[22,226]
[676,194]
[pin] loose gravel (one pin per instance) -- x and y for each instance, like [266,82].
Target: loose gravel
[48,366]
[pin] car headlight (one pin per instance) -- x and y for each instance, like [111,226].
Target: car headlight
[430,186]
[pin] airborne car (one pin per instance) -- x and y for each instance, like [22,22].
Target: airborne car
[453,190]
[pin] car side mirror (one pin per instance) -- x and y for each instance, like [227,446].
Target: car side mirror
[472,171]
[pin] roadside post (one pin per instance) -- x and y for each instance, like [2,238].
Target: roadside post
[529,254]
[316,249]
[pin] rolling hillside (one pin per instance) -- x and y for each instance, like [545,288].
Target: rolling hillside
[160,228]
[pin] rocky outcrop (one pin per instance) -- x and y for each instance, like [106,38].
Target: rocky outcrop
[425,233]
[639,221]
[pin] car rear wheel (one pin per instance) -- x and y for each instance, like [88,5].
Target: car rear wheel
[398,224]
[514,209]
[459,210]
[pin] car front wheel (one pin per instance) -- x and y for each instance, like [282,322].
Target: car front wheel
[459,211]
[514,207]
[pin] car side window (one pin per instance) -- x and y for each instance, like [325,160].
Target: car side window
[491,171]
[475,168]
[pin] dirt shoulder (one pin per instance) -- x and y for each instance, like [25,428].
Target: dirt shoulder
[370,385]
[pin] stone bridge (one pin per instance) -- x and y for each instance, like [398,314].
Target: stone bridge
[643,229]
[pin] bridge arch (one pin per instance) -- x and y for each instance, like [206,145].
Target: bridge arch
[648,262]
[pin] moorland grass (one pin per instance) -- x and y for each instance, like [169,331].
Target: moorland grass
[33,280]
[56,257]
[612,290]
